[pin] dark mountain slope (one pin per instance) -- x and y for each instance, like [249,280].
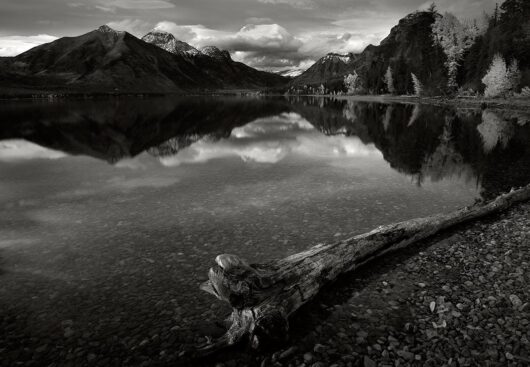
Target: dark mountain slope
[169,43]
[216,63]
[329,70]
[105,60]
[507,34]
[119,128]
[219,65]
[408,49]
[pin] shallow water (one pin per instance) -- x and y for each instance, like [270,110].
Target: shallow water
[112,211]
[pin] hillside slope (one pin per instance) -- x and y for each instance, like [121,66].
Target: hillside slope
[106,60]
[216,63]
[408,49]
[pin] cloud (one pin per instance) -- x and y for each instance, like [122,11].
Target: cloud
[263,37]
[112,5]
[298,4]
[269,140]
[259,45]
[136,27]
[270,39]
[256,20]
[321,43]
[271,46]
[17,150]
[14,45]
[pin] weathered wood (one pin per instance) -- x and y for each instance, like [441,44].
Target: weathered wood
[263,296]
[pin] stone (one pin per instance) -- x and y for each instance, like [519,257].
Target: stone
[287,353]
[319,348]
[516,301]
[368,362]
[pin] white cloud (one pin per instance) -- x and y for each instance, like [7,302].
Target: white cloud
[136,27]
[271,139]
[112,5]
[321,43]
[14,45]
[197,35]
[255,20]
[16,150]
[254,37]
[298,4]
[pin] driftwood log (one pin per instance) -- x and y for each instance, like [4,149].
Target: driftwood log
[263,296]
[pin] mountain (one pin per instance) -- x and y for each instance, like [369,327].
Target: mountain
[216,53]
[508,34]
[218,64]
[106,60]
[114,129]
[408,48]
[291,73]
[168,42]
[329,69]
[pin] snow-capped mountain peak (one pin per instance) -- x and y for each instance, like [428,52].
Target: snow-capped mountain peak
[216,53]
[168,42]
[335,56]
[106,29]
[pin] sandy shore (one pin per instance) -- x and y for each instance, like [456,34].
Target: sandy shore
[460,299]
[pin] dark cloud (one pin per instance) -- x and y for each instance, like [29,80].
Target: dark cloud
[263,33]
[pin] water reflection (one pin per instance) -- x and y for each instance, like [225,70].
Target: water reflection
[123,246]
[424,142]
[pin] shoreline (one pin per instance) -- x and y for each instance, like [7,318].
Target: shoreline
[460,298]
[515,104]
[519,104]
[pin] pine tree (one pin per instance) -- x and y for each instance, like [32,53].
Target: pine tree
[455,37]
[514,76]
[389,81]
[496,15]
[418,87]
[432,8]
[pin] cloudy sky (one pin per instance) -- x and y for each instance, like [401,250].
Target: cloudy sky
[267,34]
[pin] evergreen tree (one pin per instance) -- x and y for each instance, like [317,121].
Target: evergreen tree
[455,38]
[389,81]
[418,87]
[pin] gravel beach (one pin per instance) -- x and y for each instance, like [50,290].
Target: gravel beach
[460,299]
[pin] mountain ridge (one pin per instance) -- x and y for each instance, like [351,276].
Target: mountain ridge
[410,48]
[105,60]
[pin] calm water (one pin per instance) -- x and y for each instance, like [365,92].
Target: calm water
[111,212]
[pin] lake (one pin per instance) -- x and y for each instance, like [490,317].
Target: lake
[112,211]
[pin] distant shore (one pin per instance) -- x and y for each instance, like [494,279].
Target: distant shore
[519,104]
[492,103]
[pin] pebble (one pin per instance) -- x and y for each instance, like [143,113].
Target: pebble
[516,301]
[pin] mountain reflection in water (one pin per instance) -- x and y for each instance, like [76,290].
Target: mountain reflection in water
[488,147]
[118,245]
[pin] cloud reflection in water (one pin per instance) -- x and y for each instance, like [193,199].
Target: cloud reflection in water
[269,140]
[17,149]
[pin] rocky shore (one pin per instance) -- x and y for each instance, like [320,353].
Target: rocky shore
[460,299]
[512,104]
